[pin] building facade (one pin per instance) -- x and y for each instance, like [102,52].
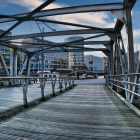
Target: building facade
[75,59]
[5,52]
[105,64]
[94,63]
[51,60]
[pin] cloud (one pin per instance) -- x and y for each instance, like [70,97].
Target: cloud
[136,33]
[136,47]
[136,16]
[99,54]
[3,5]
[27,3]
[31,5]
[97,19]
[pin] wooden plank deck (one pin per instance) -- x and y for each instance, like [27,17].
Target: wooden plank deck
[83,113]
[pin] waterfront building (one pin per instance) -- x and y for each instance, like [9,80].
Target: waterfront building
[51,60]
[105,59]
[75,59]
[94,63]
[5,52]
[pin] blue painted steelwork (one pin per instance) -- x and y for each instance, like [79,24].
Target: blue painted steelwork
[36,63]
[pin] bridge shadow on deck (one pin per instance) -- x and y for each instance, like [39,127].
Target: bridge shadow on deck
[85,112]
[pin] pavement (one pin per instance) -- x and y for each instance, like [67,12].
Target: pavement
[99,81]
[86,112]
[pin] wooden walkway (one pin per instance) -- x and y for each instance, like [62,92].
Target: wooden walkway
[83,113]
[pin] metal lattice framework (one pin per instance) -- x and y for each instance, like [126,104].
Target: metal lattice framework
[113,47]
[121,10]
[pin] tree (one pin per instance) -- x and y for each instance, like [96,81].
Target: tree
[63,63]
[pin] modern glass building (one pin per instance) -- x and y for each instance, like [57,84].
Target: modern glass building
[51,60]
[75,59]
[5,50]
[94,63]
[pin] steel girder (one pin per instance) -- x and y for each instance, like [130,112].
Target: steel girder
[3,64]
[73,50]
[71,24]
[68,10]
[77,43]
[28,16]
[57,33]
[14,47]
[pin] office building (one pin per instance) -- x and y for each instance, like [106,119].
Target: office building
[75,59]
[94,63]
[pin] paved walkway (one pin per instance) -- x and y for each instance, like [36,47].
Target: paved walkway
[99,81]
[83,113]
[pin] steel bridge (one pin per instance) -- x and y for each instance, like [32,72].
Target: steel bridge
[88,111]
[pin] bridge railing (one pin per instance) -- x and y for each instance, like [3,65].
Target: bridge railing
[122,82]
[67,81]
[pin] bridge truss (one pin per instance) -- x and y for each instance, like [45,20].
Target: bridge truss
[113,48]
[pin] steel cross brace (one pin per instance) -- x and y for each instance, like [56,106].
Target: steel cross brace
[4,64]
[27,17]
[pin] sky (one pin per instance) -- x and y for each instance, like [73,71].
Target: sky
[96,19]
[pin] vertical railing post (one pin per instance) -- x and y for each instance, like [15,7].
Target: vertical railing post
[25,87]
[42,86]
[53,86]
[69,82]
[73,82]
[65,84]
[60,84]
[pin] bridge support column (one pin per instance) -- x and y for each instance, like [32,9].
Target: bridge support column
[109,69]
[130,48]
[13,65]
[112,62]
[118,67]
[13,62]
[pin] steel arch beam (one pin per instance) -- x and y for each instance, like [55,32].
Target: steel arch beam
[69,10]
[58,33]
[70,24]
[77,43]
[73,50]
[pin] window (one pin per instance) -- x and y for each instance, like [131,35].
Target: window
[45,75]
[54,75]
[50,75]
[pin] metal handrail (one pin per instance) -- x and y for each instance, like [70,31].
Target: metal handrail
[25,82]
[130,74]
[129,87]
[125,89]
[8,77]
[125,82]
